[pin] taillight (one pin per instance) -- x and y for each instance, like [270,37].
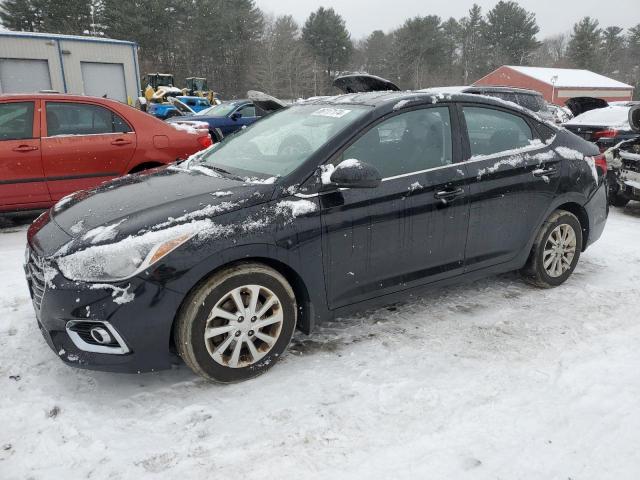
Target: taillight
[205,141]
[601,163]
[608,133]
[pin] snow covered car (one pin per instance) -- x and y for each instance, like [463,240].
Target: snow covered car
[624,165]
[321,209]
[599,122]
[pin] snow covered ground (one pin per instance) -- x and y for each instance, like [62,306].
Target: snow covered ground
[491,380]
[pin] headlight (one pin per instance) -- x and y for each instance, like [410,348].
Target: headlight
[121,260]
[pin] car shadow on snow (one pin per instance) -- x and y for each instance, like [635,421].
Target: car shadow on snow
[632,209]
[10,221]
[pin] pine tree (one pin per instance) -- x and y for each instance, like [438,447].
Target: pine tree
[511,34]
[613,45]
[473,51]
[419,47]
[328,40]
[584,46]
[20,15]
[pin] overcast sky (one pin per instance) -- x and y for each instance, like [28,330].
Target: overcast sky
[364,16]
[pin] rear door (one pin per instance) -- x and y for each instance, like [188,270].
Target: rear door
[83,145]
[412,228]
[21,174]
[514,174]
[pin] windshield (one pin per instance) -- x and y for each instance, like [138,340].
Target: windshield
[281,142]
[221,110]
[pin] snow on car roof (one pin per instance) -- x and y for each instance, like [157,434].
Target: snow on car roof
[612,116]
[569,77]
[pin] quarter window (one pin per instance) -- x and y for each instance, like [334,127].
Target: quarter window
[82,119]
[409,142]
[16,120]
[494,131]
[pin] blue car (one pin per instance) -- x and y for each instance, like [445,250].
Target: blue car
[226,118]
[197,104]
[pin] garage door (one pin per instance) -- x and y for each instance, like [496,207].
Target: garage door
[24,76]
[102,79]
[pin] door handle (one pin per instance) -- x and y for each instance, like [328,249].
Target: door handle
[25,148]
[121,141]
[449,194]
[544,172]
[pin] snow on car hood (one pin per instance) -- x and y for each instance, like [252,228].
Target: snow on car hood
[155,200]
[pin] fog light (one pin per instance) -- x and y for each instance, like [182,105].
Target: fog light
[101,336]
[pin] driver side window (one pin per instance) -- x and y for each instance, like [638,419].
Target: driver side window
[248,111]
[410,142]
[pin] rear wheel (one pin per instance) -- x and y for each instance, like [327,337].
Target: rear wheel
[237,324]
[555,252]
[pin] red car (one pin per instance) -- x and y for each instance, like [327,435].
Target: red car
[53,145]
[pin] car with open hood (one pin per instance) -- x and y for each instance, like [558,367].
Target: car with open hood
[321,209]
[596,120]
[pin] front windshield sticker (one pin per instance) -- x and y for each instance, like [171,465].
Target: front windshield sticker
[331,112]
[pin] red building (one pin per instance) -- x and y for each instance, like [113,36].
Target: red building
[559,84]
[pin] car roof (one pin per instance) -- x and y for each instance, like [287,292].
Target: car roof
[54,96]
[505,89]
[380,99]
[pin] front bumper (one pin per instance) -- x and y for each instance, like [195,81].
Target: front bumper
[144,323]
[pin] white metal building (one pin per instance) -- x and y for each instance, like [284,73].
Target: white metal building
[32,62]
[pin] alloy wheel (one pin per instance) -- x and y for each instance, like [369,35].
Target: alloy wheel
[243,326]
[559,251]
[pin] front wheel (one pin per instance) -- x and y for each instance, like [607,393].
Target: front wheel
[236,324]
[555,252]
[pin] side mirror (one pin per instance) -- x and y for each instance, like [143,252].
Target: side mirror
[634,118]
[235,116]
[353,173]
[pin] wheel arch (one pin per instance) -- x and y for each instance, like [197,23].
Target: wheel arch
[581,213]
[306,312]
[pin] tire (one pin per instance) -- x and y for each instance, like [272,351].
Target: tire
[564,258]
[618,200]
[213,358]
[216,135]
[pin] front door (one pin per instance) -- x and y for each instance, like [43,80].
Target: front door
[85,144]
[412,228]
[514,175]
[21,175]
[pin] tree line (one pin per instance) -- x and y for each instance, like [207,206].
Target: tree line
[238,47]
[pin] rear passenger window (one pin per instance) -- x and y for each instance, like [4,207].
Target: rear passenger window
[409,142]
[16,120]
[494,131]
[82,119]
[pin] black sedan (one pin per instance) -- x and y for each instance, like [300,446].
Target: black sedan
[325,208]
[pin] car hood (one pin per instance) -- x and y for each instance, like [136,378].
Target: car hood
[580,105]
[164,196]
[360,83]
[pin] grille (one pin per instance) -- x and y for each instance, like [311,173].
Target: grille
[35,277]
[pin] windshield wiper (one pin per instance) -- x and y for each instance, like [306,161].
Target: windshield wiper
[219,170]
